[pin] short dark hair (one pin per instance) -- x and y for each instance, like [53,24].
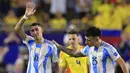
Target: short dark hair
[35,24]
[93,31]
[73,32]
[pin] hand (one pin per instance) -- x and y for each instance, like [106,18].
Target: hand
[54,42]
[30,9]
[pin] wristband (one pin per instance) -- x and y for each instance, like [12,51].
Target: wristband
[25,17]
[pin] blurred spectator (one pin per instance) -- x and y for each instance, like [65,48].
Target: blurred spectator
[109,22]
[22,60]
[115,22]
[18,6]
[70,7]
[43,5]
[4,7]
[58,5]
[45,21]
[124,48]
[83,6]
[76,23]
[125,44]
[128,21]
[105,8]
[9,39]
[121,11]
[114,1]
[87,20]
[11,18]
[59,22]
[95,5]
[100,21]
[12,41]
[3,51]
[1,23]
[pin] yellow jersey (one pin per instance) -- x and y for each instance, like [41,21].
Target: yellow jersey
[74,64]
[58,23]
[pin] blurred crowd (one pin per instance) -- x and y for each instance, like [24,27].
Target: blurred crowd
[57,16]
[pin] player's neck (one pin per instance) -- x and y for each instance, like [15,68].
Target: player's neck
[39,40]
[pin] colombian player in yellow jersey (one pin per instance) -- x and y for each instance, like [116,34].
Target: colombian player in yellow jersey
[72,64]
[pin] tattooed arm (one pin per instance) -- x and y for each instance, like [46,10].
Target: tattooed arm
[68,51]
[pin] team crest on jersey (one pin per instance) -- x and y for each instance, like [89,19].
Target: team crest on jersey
[37,50]
[44,49]
[43,52]
[100,54]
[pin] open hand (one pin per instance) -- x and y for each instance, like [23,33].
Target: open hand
[30,9]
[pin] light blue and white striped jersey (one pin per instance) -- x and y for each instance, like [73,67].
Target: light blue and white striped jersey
[102,58]
[41,56]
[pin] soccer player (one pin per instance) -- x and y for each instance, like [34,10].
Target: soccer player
[102,55]
[73,64]
[41,51]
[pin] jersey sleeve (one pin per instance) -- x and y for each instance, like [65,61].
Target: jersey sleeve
[113,53]
[85,51]
[54,54]
[62,59]
[28,38]
[28,41]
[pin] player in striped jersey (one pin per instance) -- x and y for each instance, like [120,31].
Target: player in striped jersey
[41,51]
[101,54]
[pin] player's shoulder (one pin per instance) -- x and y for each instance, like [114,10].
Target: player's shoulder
[107,45]
[82,47]
[29,39]
[48,42]
[61,53]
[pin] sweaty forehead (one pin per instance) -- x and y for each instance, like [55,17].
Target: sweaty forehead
[91,37]
[88,37]
[72,35]
[33,27]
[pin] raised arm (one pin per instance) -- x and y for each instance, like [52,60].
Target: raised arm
[30,10]
[68,51]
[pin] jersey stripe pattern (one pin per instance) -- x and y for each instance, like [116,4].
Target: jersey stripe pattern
[41,56]
[102,59]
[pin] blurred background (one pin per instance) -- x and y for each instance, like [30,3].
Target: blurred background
[57,17]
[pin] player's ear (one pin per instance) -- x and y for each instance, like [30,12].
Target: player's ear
[42,29]
[78,38]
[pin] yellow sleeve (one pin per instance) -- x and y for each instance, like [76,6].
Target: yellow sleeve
[62,59]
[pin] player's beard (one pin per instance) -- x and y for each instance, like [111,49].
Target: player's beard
[37,38]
